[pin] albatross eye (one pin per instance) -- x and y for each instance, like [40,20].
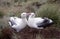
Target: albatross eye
[23,14]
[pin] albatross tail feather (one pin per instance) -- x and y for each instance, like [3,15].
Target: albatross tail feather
[46,23]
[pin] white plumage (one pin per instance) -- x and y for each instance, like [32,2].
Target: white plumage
[33,22]
[18,23]
[38,22]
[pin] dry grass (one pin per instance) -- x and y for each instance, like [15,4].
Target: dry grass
[27,33]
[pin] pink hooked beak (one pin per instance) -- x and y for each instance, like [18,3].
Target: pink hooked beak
[28,14]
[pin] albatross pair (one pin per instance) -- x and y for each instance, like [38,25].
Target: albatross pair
[33,22]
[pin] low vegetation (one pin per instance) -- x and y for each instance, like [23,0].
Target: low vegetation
[51,11]
[1,14]
[42,8]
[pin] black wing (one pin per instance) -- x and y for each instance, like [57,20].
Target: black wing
[45,23]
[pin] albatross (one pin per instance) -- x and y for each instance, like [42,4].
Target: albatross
[38,22]
[18,23]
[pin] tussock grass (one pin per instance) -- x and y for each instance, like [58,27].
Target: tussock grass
[1,14]
[51,11]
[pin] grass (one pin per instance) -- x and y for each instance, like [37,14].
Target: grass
[51,11]
[1,14]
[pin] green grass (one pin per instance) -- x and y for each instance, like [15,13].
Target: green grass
[1,14]
[51,11]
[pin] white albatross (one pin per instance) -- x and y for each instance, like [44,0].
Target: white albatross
[18,23]
[38,22]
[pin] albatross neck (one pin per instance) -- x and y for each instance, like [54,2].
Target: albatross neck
[25,20]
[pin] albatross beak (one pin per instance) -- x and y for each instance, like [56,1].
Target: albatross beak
[28,15]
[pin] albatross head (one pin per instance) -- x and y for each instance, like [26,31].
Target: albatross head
[23,15]
[32,15]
